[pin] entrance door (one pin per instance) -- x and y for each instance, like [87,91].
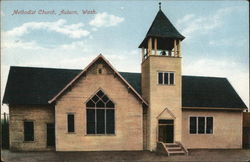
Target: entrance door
[50,134]
[166,131]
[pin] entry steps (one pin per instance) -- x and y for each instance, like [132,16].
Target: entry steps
[174,149]
[171,148]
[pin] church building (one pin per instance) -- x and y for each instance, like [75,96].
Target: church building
[101,109]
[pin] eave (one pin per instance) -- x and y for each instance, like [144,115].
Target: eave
[213,108]
[58,95]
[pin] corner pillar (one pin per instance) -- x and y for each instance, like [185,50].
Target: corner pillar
[143,53]
[149,46]
[175,49]
[155,46]
[179,48]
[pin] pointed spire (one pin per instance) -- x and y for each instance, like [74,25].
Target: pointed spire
[161,28]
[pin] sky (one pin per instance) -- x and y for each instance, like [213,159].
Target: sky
[216,43]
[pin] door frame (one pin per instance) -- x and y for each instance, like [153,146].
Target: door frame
[158,124]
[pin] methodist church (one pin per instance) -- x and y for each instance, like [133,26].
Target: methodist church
[101,109]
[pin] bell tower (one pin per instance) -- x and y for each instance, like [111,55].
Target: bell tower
[161,81]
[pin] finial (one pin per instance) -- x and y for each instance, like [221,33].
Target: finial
[159,5]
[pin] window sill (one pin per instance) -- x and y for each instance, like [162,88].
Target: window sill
[29,141]
[71,133]
[100,134]
[166,84]
[201,134]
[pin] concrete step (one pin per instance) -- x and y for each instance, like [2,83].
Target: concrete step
[177,152]
[174,149]
[178,148]
[171,145]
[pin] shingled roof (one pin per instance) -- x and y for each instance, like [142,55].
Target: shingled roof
[209,92]
[163,28]
[36,86]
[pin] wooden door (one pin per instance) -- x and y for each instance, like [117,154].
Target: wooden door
[166,131]
[50,134]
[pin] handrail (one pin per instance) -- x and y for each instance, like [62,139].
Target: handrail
[163,145]
[182,146]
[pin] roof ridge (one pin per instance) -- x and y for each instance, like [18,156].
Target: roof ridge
[52,68]
[200,76]
[129,72]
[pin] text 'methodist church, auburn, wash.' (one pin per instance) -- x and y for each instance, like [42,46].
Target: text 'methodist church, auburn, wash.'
[101,109]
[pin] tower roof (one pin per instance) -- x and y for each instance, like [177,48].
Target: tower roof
[163,28]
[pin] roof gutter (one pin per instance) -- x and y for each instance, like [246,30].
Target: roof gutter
[214,108]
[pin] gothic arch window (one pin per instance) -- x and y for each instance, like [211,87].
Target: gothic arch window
[100,114]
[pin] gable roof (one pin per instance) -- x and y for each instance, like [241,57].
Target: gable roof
[209,92]
[36,86]
[134,80]
[102,58]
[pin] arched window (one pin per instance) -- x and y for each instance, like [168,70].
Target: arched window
[100,114]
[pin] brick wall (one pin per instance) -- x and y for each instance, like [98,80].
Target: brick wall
[128,114]
[40,115]
[227,130]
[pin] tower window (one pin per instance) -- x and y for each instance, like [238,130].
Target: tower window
[160,78]
[166,78]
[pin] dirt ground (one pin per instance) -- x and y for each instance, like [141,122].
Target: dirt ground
[127,156]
